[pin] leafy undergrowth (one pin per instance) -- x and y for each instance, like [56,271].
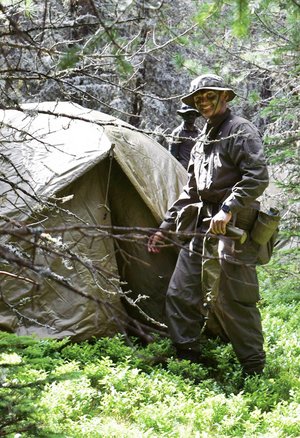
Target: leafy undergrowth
[105,388]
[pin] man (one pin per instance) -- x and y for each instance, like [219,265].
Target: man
[183,137]
[214,284]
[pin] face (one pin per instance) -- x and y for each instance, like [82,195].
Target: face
[189,117]
[211,103]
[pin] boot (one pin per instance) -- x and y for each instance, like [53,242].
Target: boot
[188,354]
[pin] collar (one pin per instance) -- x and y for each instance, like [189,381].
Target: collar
[218,120]
[189,130]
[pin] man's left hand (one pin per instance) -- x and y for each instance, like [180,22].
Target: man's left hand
[218,222]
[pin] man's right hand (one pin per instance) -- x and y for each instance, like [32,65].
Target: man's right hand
[154,242]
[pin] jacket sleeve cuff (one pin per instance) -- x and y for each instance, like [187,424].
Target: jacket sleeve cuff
[231,205]
[168,226]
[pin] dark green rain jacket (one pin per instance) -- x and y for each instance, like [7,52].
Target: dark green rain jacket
[227,165]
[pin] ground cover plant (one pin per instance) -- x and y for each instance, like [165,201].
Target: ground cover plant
[107,388]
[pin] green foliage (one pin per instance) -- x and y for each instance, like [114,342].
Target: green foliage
[241,22]
[192,371]
[208,10]
[108,388]
[254,97]
[276,107]
[280,280]
[190,65]
[183,40]
[69,59]
[179,60]
[124,67]
[25,4]
[28,7]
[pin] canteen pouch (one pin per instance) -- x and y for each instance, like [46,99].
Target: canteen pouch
[265,251]
[265,226]
[264,233]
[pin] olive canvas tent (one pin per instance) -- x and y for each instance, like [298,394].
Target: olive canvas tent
[68,175]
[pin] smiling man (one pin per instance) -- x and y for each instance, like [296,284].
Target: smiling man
[214,284]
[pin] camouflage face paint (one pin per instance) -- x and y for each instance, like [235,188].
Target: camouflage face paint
[210,103]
